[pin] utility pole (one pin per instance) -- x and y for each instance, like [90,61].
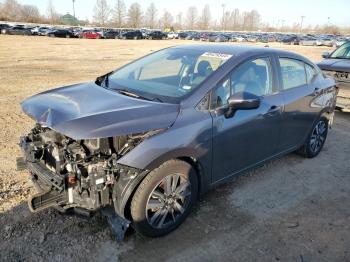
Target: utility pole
[73,8]
[301,23]
[223,17]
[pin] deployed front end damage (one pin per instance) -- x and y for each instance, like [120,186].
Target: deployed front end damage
[74,152]
[79,175]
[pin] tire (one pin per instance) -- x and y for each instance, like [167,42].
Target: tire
[154,211]
[135,37]
[316,139]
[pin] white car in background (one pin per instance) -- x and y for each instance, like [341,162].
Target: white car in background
[311,41]
[173,35]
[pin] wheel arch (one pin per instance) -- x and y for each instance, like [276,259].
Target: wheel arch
[124,209]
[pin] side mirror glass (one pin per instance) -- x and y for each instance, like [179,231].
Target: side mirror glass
[241,101]
[325,54]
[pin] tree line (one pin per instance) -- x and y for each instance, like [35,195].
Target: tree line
[135,16]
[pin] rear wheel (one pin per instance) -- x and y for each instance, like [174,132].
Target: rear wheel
[164,198]
[316,139]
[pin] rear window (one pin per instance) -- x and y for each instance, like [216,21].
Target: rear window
[293,73]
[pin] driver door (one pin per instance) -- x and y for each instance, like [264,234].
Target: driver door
[249,136]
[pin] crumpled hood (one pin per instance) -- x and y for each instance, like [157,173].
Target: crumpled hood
[89,111]
[340,65]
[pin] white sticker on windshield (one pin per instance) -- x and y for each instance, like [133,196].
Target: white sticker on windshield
[217,55]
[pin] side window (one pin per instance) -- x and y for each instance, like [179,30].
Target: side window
[311,73]
[293,73]
[253,76]
[220,94]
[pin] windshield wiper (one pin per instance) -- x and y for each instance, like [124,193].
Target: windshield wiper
[131,94]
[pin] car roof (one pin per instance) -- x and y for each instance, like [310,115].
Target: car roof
[239,50]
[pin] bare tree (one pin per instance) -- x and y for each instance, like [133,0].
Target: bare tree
[11,10]
[178,22]
[135,15]
[102,12]
[151,16]
[30,14]
[119,13]
[167,20]
[191,17]
[235,19]
[51,13]
[205,19]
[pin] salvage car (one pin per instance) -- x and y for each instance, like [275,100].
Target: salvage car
[145,140]
[156,35]
[60,33]
[337,65]
[136,34]
[16,30]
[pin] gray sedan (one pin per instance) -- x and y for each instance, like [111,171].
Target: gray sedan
[144,141]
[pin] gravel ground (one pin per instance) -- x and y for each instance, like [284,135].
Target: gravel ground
[291,209]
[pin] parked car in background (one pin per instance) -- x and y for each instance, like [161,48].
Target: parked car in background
[60,33]
[337,65]
[91,34]
[135,34]
[16,30]
[4,26]
[111,34]
[218,38]
[172,35]
[182,35]
[310,41]
[156,35]
[145,140]
[292,40]
[42,31]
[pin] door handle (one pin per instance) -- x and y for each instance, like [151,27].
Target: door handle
[274,108]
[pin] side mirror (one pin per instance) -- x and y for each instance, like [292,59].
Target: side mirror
[325,54]
[241,101]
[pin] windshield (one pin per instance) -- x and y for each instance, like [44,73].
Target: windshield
[166,75]
[342,52]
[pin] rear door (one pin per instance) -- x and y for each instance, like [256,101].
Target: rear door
[250,136]
[300,103]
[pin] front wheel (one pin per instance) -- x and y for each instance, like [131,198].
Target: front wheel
[164,198]
[316,139]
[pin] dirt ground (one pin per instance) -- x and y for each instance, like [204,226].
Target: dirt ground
[291,209]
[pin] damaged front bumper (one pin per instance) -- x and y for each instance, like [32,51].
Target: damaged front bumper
[100,189]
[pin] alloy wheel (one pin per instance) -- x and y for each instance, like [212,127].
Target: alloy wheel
[168,201]
[318,136]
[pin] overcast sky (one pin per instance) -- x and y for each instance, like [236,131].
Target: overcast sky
[272,11]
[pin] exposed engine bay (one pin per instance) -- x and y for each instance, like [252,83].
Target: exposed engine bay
[75,174]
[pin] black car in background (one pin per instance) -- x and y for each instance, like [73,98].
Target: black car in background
[111,34]
[4,26]
[156,35]
[136,34]
[292,40]
[337,65]
[61,33]
[16,30]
